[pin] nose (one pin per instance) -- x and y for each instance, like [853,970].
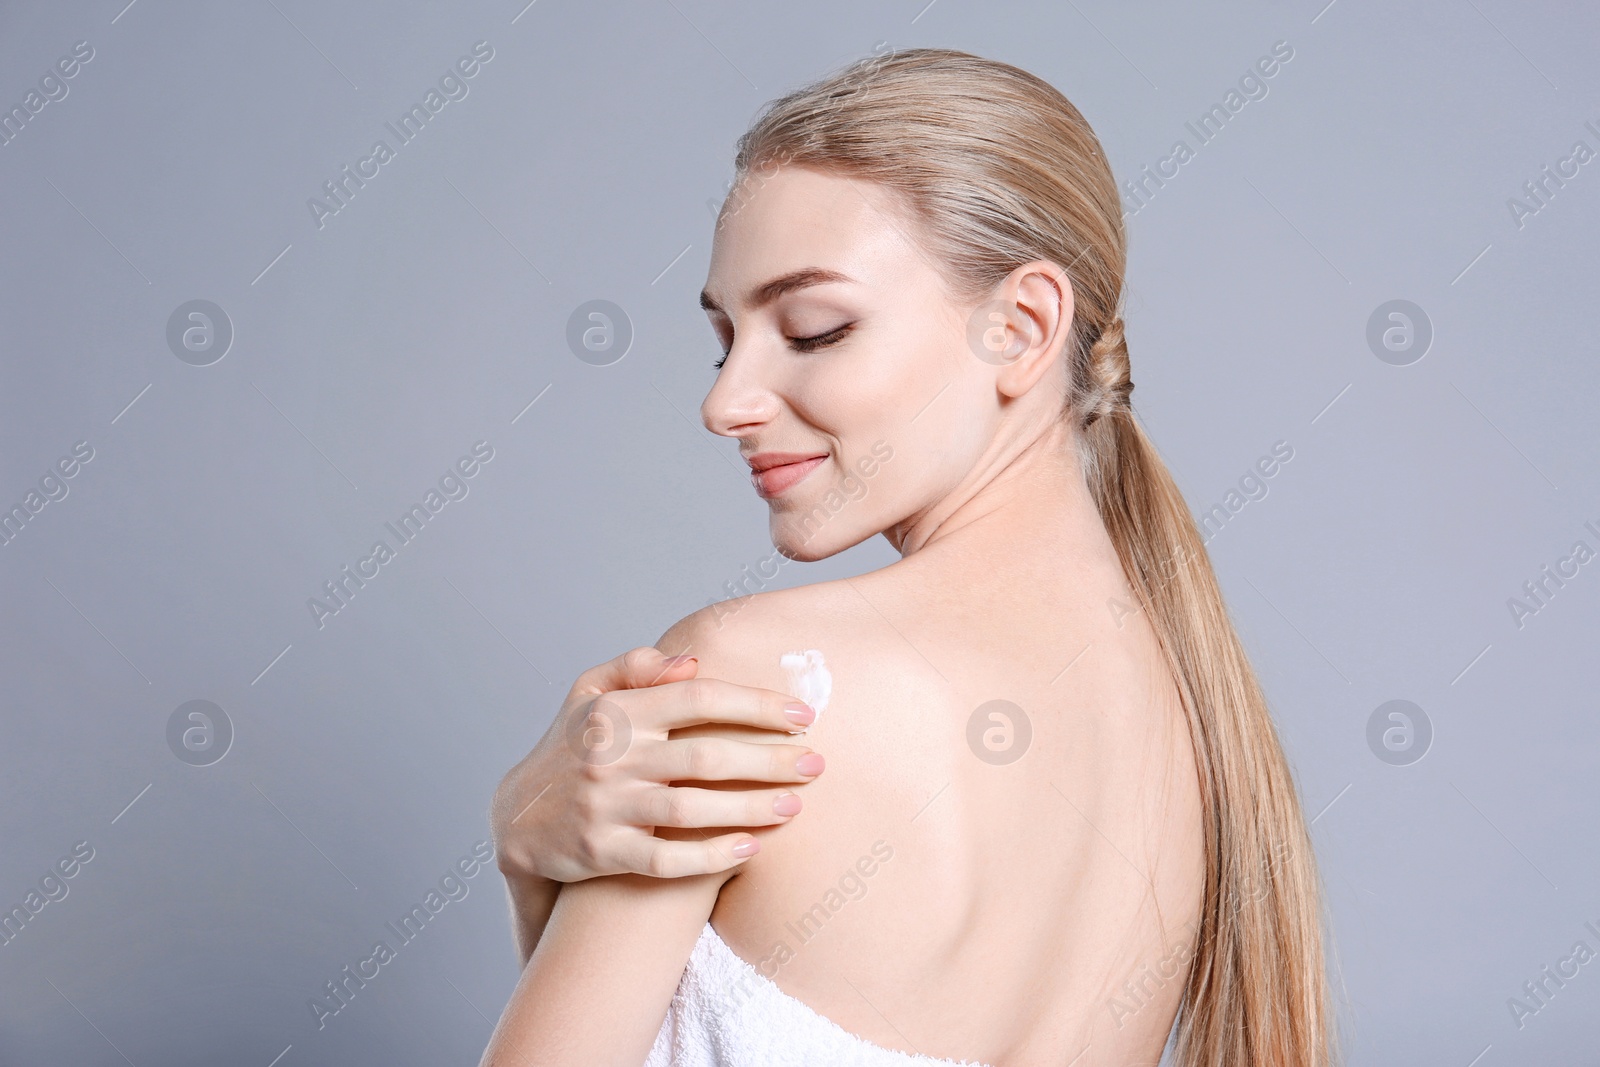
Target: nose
[740,403]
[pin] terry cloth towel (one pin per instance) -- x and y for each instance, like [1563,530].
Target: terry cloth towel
[726,1013]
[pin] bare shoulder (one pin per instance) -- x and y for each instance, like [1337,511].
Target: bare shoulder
[831,640]
[731,625]
[744,640]
[887,714]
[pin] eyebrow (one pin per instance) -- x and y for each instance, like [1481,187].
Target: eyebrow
[766,293]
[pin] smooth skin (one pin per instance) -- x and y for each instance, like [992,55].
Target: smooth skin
[950,889]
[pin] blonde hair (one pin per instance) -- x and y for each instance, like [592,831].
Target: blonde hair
[999,169]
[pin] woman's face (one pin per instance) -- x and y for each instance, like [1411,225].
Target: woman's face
[847,364]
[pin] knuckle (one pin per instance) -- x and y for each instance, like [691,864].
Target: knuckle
[700,693]
[680,812]
[658,864]
[662,810]
[700,759]
[637,660]
[607,724]
[588,846]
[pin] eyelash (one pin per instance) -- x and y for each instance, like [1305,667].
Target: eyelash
[806,344]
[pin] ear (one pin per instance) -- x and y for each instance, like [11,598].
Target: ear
[1023,327]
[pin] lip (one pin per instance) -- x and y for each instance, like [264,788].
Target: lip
[774,473]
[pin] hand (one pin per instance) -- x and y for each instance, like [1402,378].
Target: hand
[585,802]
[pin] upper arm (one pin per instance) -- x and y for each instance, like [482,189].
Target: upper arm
[599,982]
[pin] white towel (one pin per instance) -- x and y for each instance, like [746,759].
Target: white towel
[727,1014]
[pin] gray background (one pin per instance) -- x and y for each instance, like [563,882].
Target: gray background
[427,314]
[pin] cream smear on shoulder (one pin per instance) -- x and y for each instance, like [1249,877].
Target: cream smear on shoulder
[808,678]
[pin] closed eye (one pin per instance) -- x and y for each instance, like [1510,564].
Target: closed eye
[821,340]
[807,344]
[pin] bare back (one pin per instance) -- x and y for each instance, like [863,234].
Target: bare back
[1003,861]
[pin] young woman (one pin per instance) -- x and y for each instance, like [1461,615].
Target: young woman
[1056,815]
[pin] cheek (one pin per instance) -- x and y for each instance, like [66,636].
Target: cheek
[939,448]
[855,399]
[892,380]
[916,398]
[909,408]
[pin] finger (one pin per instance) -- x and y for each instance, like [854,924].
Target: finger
[721,759]
[638,668]
[661,858]
[693,701]
[690,808]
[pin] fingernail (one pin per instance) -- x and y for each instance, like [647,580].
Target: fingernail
[748,847]
[786,804]
[809,765]
[800,713]
[678,661]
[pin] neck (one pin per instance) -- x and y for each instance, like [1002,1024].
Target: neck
[1028,493]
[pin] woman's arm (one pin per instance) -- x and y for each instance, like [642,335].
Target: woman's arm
[532,901]
[598,985]
[583,803]
[604,967]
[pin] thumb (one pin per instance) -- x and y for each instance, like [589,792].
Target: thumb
[662,668]
[638,668]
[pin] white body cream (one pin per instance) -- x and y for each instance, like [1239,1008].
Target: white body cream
[808,678]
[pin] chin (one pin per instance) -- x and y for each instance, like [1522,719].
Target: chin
[793,543]
[800,536]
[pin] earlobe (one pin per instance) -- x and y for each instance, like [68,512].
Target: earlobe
[1017,379]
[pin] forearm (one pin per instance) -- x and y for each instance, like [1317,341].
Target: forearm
[532,901]
[604,970]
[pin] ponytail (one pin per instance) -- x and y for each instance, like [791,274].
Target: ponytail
[1257,991]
